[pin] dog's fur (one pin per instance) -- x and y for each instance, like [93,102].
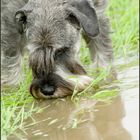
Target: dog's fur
[51,30]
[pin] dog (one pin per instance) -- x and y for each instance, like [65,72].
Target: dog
[51,30]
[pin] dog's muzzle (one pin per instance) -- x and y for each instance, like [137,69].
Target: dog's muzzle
[58,87]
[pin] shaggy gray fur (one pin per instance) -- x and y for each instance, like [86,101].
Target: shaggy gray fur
[51,31]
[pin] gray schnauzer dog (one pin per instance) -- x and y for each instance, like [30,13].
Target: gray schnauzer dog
[51,31]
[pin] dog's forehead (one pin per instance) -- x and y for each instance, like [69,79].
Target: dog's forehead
[48,11]
[50,6]
[48,27]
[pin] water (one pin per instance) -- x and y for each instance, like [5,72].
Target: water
[90,120]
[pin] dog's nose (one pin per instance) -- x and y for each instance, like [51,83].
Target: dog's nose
[48,90]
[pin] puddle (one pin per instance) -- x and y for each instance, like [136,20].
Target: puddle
[90,120]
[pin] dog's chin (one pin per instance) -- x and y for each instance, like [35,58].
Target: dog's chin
[60,92]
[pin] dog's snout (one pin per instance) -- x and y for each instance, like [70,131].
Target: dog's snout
[48,90]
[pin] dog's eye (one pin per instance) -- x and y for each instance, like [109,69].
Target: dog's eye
[61,52]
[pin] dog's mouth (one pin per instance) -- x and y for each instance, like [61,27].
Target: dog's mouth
[41,90]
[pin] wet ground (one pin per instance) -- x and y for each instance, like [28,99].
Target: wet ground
[90,120]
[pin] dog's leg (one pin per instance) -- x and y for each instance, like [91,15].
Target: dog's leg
[11,58]
[11,45]
[100,47]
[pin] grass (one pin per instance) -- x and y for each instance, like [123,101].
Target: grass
[17,104]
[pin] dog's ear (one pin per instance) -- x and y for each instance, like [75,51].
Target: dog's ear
[21,20]
[84,13]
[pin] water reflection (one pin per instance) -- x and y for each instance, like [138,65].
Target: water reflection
[90,120]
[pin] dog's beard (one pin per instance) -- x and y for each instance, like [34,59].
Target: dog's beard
[65,82]
[66,89]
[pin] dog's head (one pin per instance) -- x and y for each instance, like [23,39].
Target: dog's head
[52,30]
